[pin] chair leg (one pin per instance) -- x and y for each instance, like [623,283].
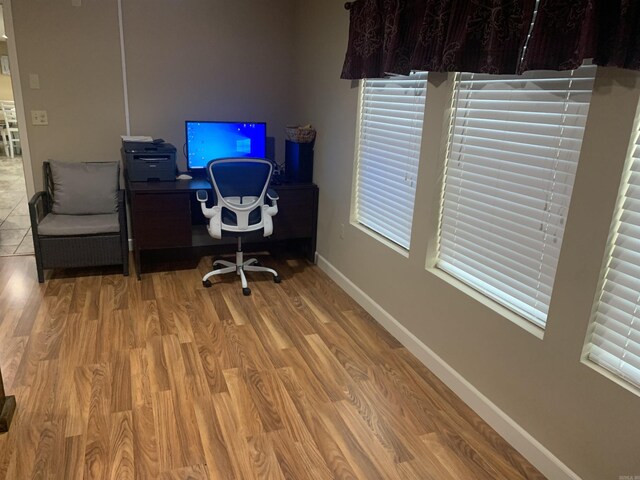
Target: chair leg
[220,271]
[252,268]
[39,269]
[37,254]
[240,266]
[245,287]
[224,263]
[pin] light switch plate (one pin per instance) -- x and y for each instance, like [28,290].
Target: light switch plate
[39,117]
[34,81]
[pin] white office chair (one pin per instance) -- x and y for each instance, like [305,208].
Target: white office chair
[240,186]
[10,138]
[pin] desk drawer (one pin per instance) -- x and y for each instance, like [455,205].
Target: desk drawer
[296,215]
[162,202]
[161,220]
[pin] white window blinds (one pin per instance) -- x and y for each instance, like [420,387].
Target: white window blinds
[391,117]
[615,332]
[514,144]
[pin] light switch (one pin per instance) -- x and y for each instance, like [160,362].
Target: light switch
[39,117]
[34,81]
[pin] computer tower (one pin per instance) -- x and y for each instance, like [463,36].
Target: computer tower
[298,162]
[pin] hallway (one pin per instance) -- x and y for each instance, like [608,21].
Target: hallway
[15,231]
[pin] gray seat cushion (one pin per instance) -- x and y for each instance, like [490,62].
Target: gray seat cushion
[84,188]
[65,225]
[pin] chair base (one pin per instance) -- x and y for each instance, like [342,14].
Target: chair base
[77,251]
[240,267]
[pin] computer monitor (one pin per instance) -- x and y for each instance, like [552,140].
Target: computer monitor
[207,141]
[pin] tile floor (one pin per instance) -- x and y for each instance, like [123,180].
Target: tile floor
[15,233]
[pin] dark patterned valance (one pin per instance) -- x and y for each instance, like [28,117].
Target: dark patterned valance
[489,36]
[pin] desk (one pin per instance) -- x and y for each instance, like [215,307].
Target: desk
[167,215]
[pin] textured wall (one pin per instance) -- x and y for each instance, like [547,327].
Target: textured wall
[208,60]
[76,53]
[196,59]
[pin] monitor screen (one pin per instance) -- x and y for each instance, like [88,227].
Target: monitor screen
[207,141]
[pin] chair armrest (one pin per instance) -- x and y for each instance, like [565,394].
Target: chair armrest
[122,210]
[271,208]
[38,208]
[202,196]
[120,199]
[272,195]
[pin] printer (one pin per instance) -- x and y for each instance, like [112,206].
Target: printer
[146,161]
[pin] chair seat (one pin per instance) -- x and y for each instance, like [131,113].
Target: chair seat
[230,218]
[66,225]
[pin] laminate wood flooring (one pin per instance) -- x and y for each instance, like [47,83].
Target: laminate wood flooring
[161,378]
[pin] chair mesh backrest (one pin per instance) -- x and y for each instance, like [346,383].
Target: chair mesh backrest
[240,177]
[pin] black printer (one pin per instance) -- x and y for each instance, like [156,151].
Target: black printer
[146,161]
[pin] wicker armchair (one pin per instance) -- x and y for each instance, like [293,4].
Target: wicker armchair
[77,240]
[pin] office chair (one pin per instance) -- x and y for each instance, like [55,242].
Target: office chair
[240,186]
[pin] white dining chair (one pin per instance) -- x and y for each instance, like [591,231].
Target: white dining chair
[10,136]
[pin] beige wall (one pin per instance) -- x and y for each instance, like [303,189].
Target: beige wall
[6,92]
[585,419]
[76,53]
[208,60]
[197,59]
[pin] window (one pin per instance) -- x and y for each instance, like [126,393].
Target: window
[388,152]
[614,341]
[514,144]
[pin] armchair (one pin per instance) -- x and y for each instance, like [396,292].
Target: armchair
[240,186]
[79,220]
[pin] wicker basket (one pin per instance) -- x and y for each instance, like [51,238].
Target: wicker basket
[298,134]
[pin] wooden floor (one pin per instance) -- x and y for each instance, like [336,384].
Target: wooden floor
[161,378]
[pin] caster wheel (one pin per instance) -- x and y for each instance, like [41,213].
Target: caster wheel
[256,264]
[246,292]
[277,279]
[206,284]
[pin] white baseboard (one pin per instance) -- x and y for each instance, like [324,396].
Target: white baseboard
[547,463]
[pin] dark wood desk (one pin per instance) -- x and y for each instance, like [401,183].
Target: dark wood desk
[167,215]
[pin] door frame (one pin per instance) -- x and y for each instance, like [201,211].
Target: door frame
[17,97]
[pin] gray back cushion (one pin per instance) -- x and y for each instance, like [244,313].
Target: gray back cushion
[84,188]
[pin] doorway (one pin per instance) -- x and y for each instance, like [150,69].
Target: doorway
[15,231]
